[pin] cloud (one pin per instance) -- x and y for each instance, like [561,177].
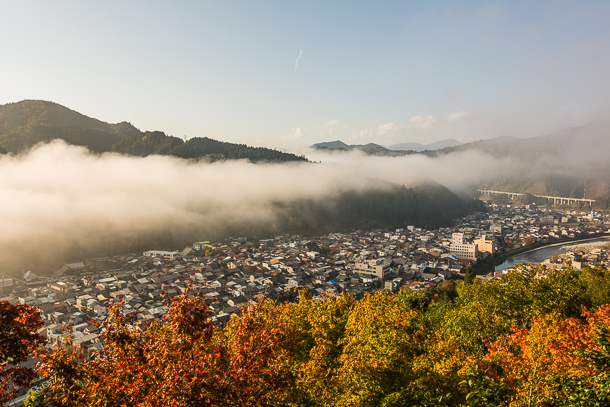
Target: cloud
[297,133]
[332,123]
[361,134]
[59,199]
[297,61]
[455,116]
[111,201]
[423,122]
[389,129]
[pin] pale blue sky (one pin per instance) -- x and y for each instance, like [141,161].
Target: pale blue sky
[382,72]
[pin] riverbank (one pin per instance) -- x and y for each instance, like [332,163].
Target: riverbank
[489,265]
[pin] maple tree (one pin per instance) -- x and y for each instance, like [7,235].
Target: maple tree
[182,361]
[18,339]
[557,361]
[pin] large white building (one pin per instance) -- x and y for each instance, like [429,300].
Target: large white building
[463,250]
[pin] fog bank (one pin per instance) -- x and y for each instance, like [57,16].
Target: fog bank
[59,196]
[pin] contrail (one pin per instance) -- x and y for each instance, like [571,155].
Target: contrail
[297,61]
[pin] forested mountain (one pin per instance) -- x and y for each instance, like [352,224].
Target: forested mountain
[26,123]
[385,205]
[147,143]
[29,122]
[368,149]
[198,147]
[203,146]
[374,149]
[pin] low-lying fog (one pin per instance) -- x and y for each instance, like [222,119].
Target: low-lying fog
[57,195]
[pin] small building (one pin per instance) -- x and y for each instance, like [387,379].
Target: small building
[376,267]
[165,255]
[484,245]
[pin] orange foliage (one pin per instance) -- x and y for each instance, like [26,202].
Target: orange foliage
[553,347]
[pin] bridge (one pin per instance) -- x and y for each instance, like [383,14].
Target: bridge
[558,200]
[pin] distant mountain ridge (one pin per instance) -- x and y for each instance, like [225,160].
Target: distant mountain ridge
[422,147]
[29,122]
[583,140]
[338,144]
[570,163]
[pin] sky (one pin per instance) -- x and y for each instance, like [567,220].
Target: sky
[289,74]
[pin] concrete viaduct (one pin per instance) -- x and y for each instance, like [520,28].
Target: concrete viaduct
[552,199]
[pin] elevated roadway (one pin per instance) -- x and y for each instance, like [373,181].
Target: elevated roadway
[558,200]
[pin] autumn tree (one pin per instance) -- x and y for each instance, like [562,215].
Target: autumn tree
[181,361]
[18,339]
[558,361]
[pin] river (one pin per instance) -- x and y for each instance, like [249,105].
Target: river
[538,255]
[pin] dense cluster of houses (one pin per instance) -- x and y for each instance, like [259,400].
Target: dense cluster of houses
[231,274]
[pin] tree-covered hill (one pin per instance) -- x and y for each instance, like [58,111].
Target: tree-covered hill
[198,147]
[147,143]
[383,205]
[29,122]
[202,146]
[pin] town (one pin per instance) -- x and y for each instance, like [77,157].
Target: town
[239,271]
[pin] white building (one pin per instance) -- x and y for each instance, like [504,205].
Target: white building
[464,251]
[163,254]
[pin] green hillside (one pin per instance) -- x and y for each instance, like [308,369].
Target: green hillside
[386,205]
[198,147]
[29,122]
[147,143]
[202,146]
